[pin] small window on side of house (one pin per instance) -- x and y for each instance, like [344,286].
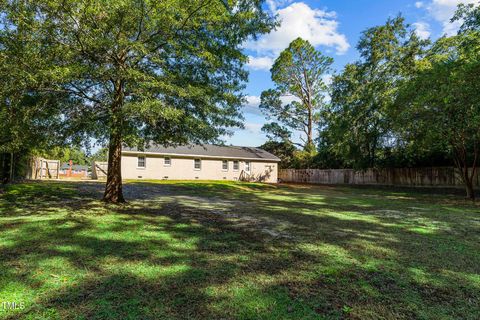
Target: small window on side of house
[197,164]
[141,162]
[225,165]
[167,161]
[247,166]
[236,165]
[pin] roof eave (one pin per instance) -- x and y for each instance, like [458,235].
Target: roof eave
[199,156]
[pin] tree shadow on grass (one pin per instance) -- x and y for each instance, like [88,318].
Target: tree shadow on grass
[173,254]
[136,277]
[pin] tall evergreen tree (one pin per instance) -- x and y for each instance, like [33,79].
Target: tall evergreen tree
[298,73]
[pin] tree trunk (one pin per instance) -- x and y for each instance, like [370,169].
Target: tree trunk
[467,179]
[3,168]
[113,189]
[469,189]
[309,146]
[11,167]
[310,130]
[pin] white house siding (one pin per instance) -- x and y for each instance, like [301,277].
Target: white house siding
[182,168]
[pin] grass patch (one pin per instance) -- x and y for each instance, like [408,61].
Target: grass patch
[211,250]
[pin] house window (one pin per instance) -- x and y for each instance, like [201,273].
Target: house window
[141,162]
[236,165]
[247,166]
[197,164]
[225,165]
[167,162]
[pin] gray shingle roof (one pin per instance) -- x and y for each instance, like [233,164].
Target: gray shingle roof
[209,150]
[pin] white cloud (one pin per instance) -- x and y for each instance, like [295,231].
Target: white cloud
[318,26]
[252,105]
[419,4]
[288,99]
[443,10]
[260,63]
[422,29]
[299,20]
[327,79]
[274,4]
[255,128]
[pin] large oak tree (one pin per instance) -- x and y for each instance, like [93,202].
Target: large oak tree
[137,71]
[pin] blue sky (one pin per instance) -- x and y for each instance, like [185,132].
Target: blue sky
[333,27]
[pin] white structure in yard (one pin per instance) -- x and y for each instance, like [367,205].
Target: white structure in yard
[200,162]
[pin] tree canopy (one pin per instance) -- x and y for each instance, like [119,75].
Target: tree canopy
[361,116]
[136,72]
[442,100]
[404,102]
[298,73]
[443,104]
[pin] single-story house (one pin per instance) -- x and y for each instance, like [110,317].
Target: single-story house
[200,162]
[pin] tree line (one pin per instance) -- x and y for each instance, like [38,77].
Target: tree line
[131,72]
[405,102]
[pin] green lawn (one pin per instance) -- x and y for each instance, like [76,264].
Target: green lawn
[218,250]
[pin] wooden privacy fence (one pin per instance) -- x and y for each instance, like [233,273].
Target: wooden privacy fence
[421,177]
[99,170]
[40,168]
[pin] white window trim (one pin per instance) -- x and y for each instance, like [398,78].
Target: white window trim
[165,164]
[144,162]
[249,166]
[233,165]
[228,165]
[197,169]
